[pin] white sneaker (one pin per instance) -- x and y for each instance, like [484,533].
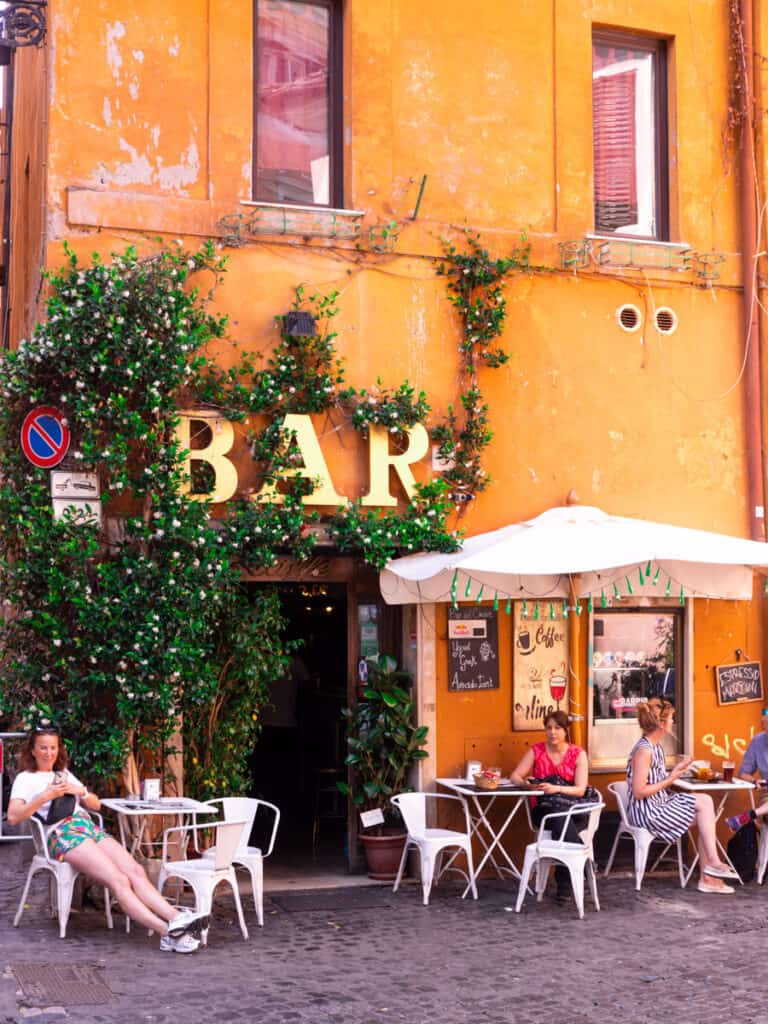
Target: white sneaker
[184,944]
[186,922]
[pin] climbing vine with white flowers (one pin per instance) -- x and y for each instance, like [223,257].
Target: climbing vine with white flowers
[117,633]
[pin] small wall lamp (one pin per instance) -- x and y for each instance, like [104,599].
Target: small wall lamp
[300,324]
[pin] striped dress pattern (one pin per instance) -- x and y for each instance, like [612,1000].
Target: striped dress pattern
[666,815]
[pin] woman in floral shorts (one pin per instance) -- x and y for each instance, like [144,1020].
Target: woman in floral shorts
[76,840]
[70,832]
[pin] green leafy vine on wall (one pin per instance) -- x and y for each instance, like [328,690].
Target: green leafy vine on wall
[475,283]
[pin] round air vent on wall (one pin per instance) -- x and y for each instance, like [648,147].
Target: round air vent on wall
[629,317]
[665,320]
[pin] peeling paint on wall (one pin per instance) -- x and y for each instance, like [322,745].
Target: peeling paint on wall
[185,172]
[115,32]
[136,171]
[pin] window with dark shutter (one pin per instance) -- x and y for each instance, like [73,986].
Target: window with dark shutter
[629,135]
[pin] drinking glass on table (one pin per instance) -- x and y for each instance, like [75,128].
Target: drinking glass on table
[728,769]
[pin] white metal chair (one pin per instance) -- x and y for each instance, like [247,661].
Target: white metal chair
[62,879]
[579,858]
[642,839]
[430,842]
[204,874]
[251,857]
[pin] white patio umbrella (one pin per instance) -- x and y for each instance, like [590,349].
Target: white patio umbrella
[538,558]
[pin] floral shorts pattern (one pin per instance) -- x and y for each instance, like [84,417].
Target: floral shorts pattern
[69,833]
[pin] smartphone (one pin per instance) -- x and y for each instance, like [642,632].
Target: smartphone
[59,777]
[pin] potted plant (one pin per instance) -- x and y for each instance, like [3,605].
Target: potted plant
[384,741]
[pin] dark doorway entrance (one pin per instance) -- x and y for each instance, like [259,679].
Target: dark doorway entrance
[300,753]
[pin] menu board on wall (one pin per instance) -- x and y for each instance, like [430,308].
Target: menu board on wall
[473,649]
[540,669]
[737,684]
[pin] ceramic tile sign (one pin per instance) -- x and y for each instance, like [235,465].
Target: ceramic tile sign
[76,492]
[540,669]
[473,649]
[737,684]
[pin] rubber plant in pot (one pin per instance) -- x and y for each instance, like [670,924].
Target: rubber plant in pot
[384,741]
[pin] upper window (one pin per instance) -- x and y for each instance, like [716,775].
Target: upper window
[297,102]
[629,130]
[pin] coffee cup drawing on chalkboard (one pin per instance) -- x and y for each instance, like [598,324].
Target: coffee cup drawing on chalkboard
[523,642]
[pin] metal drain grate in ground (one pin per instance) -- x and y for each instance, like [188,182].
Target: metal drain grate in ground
[62,984]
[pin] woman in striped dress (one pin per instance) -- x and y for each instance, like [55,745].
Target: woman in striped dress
[667,815]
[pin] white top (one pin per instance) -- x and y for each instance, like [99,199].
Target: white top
[28,785]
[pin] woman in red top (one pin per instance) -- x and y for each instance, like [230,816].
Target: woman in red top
[556,756]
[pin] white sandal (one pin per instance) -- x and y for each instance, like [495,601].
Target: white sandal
[724,872]
[723,889]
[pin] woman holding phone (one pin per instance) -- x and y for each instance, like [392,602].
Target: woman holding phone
[556,756]
[46,788]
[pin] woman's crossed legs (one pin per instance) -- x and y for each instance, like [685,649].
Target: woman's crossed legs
[108,863]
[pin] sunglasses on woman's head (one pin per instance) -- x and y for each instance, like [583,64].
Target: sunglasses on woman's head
[45,730]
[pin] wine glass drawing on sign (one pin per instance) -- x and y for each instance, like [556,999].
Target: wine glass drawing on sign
[557,684]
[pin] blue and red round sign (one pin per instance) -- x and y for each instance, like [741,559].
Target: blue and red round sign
[45,436]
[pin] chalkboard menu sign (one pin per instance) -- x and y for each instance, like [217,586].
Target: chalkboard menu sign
[737,684]
[473,649]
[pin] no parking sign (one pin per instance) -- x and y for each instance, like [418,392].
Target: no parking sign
[45,436]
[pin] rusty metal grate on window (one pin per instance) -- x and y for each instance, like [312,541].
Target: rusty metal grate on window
[62,984]
[279,219]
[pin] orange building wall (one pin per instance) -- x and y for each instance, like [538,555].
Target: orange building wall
[149,133]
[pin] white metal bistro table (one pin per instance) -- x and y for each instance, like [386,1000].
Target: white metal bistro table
[4,736]
[132,817]
[480,802]
[715,789]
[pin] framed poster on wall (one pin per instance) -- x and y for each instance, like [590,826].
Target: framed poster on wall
[539,669]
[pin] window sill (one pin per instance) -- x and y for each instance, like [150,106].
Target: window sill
[637,239]
[182,215]
[606,253]
[311,209]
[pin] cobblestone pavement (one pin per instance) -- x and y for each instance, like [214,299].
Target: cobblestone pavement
[368,956]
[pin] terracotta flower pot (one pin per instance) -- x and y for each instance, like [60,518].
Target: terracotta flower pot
[383,854]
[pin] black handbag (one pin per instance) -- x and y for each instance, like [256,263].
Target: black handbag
[61,807]
[554,802]
[743,851]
